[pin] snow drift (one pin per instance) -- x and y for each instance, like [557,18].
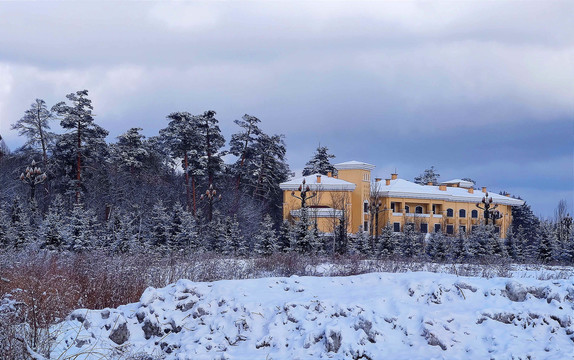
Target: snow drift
[400,316]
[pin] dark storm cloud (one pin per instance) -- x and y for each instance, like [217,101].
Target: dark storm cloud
[477,89]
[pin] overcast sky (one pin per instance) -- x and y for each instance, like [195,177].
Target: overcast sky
[478,89]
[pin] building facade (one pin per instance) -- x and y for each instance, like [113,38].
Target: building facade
[363,203]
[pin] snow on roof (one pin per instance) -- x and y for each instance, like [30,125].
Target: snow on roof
[462,183]
[327,183]
[348,165]
[406,189]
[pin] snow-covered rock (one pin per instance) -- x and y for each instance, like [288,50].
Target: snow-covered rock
[417,315]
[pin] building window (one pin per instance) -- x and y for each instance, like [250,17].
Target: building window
[365,226]
[434,209]
[436,228]
[462,229]
[419,210]
[497,229]
[424,228]
[450,229]
[393,207]
[462,213]
[407,209]
[397,227]
[474,214]
[473,228]
[449,212]
[365,207]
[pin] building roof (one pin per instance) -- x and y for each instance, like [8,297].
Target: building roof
[406,189]
[353,164]
[326,184]
[462,183]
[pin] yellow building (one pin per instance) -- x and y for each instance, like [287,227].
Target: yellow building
[449,207]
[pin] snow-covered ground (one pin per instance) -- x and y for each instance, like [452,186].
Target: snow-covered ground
[414,315]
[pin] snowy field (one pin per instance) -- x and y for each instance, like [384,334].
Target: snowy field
[413,315]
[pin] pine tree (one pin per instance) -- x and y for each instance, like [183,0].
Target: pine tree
[83,146]
[4,225]
[360,242]
[411,244]
[54,227]
[19,231]
[388,242]
[234,241]
[130,153]
[513,248]
[212,142]
[184,140]
[429,176]
[480,242]
[320,162]
[35,125]
[285,239]
[80,230]
[159,226]
[303,234]
[461,249]
[437,248]
[242,145]
[546,242]
[266,241]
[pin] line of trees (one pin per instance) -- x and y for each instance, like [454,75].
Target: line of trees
[122,194]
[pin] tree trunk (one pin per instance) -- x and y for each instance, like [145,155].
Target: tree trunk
[78,164]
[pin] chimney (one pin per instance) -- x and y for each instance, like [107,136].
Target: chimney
[484,189]
[455,185]
[318,179]
[387,182]
[394,176]
[429,183]
[442,187]
[507,195]
[329,174]
[471,190]
[377,179]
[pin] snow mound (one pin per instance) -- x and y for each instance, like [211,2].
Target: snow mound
[401,316]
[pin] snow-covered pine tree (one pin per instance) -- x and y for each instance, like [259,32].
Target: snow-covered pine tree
[429,175]
[234,241]
[158,227]
[80,232]
[546,241]
[513,245]
[83,146]
[285,239]
[130,153]
[359,243]
[242,146]
[54,226]
[388,242]
[411,242]
[184,140]
[461,249]
[212,142]
[266,241]
[35,125]
[124,237]
[188,238]
[320,163]
[19,231]
[303,233]
[437,248]
[4,225]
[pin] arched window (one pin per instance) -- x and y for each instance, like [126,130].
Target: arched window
[474,214]
[407,209]
[419,210]
[462,213]
[449,212]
